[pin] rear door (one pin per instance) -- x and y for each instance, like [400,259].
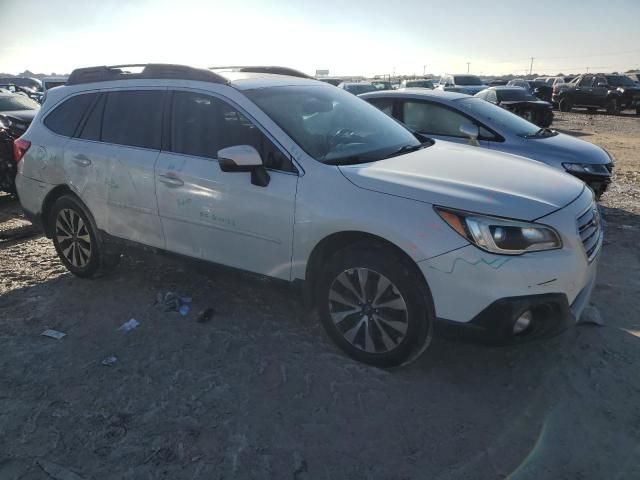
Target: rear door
[119,142]
[599,91]
[438,121]
[221,216]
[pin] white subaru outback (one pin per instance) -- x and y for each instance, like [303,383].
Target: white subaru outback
[298,180]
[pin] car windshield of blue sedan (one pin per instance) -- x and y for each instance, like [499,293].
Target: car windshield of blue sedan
[498,118]
[515,95]
[467,80]
[332,125]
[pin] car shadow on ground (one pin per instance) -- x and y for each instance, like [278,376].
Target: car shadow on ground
[259,390]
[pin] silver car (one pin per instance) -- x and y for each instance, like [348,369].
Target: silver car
[459,118]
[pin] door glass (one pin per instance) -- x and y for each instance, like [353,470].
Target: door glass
[201,125]
[384,104]
[586,82]
[93,125]
[66,117]
[133,118]
[433,119]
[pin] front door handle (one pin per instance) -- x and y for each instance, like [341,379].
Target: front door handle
[81,160]
[170,180]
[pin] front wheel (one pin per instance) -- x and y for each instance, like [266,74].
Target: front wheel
[76,239]
[613,106]
[374,307]
[566,105]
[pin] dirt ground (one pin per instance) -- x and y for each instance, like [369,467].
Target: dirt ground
[260,392]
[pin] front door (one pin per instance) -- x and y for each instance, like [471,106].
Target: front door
[221,216]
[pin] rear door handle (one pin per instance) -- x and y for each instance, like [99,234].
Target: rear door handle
[170,180]
[82,160]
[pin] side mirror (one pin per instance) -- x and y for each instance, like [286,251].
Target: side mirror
[244,158]
[472,132]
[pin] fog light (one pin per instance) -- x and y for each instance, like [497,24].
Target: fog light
[523,322]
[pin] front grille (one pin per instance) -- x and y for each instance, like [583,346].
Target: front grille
[590,231]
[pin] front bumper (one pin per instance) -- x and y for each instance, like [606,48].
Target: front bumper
[487,292]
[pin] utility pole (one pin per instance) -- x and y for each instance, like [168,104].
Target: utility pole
[531,67]
[424,70]
[468,63]
[587,69]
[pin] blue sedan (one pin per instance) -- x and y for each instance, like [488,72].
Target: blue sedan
[460,118]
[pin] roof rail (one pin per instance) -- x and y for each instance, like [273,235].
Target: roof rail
[149,70]
[265,69]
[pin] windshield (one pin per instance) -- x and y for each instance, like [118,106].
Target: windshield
[332,125]
[420,84]
[17,102]
[620,81]
[467,80]
[358,88]
[515,95]
[497,117]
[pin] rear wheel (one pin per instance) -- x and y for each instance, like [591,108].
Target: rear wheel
[566,104]
[76,239]
[613,106]
[374,307]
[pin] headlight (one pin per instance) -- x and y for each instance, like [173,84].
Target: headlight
[498,235]
[593,168]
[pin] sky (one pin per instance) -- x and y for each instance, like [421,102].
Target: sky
[372,37]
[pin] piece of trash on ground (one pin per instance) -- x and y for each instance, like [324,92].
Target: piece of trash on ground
[107,362]
[130,325]
[53,334]
[205,315]
[173,302]
[592,315]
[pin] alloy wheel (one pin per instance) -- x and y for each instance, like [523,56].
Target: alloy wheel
[368,310]
[73,238]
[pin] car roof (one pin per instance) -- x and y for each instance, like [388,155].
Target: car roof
[251,80]
[416,93]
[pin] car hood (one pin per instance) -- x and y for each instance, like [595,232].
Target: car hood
[470,178]
[25,116]
[564,148]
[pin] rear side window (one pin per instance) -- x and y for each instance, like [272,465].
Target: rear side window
[93,124]
[65,118]
[133,118]
[201,125]
[384,104]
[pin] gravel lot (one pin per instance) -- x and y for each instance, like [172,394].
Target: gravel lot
[260,392]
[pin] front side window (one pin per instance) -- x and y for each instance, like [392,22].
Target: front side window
[133,118]
[65,118]
[201,125]
[384,104]
[586,81]
[331,125]
[433,119]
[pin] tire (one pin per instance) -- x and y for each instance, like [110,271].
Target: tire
[565,105]
[547,119]
[387,323]
[529,116]
[613,106]
[76,239]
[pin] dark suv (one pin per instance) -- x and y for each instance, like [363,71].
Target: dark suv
[611,92]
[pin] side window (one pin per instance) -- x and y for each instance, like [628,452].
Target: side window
[492,96]
[65,118]
[586,81]
[384,104]
[432,119]
[93,124]
[133,118]
[201,125]
[600,80]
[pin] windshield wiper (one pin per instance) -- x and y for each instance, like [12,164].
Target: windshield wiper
[408,149]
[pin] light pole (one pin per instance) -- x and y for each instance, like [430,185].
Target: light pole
[468,63]
[531,67]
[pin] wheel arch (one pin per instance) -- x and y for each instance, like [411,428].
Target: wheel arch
[49,202]
[335,242]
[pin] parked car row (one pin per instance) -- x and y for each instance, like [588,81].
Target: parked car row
[386,228]
[598,91]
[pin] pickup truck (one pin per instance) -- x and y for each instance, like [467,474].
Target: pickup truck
[593,91]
